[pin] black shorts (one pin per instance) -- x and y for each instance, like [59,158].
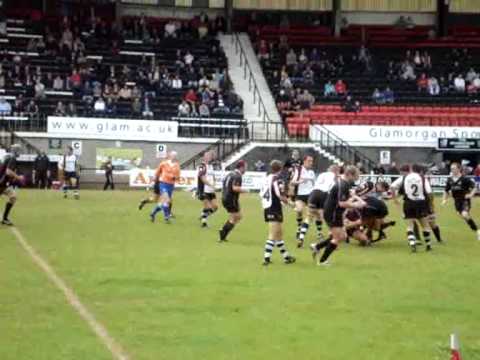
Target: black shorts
[70,175]
[316,200]
[207,196]
[462,205]
[377,211]
[418,209]
[273,215]
[303,198]
[231,205]
[334,218]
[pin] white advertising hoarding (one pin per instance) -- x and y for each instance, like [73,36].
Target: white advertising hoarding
[112,129]
[395,136]
[252,180]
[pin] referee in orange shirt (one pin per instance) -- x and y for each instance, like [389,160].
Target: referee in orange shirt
[165,176]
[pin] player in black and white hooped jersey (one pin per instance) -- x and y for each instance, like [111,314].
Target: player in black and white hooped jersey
[272,196]
[206,187]
[416,190]
[318,196]
[69,167]
[339,199]
[304,179]
[462,190]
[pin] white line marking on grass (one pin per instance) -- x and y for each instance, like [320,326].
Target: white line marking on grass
[114,347]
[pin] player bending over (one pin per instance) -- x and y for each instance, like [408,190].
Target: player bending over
[231,189]
[69,167]
[416,190]
[273,195]
[462,190]
[339,199]
[8,178]
[316,200]
[304,179]
[165,176]
[206,188]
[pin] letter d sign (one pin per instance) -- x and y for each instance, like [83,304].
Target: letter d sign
[161,151]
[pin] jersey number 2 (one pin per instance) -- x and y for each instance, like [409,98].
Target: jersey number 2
[414,188]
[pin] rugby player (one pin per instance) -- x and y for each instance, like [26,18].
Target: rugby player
[416,190]
[273,195]
[339,199]
[462,190]
[231,190]
[8,178]
[68,168]
[206,187]
[304,179]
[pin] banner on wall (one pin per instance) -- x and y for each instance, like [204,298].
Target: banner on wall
[252,180]
[395,136]
[124,160]
[112,129]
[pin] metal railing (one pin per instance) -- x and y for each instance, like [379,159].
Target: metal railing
[340,148]
[252,82]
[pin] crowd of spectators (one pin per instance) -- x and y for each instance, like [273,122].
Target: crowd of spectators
[303,69]
[99,87]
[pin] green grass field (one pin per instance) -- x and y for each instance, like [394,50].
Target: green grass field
[172,292]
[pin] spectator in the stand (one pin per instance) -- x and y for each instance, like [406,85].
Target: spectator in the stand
[204,110]
[48,82]
[459,83]
[177,82]
[407,71]
[136,107]
[71,110]
[476,83]
[340,87]
[19,106]
[183,109]
[389,96]
[471,74]
[291,58]
[75,81]
[32,109]
[170,30]
[110,107]
[125,93]
[308,76]
[349,104]
[5,107]
[433,86]
[147,110]
[97,89]
[39,90]
[191,77]
[263,51]
[220,104]
[136,93]
[99,106]
[302,58]
[329,89]
[60,109]
[58,83]
[283,100]
[188,58]
[191,97]
[378,97]
[306,100]
[204,82]
[422,83]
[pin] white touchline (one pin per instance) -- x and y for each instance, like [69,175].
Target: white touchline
[99,330]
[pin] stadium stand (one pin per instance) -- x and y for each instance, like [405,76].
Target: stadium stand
[402,76]
[146,68]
